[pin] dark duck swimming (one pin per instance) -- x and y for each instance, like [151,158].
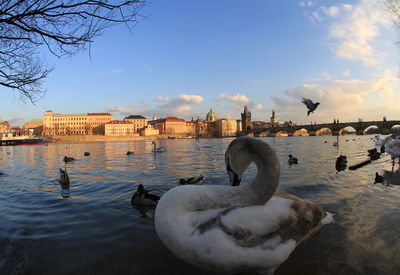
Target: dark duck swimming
[142,197]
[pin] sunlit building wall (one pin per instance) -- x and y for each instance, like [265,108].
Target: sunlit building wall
[226,128]
[119,128]
[138,121]
[75,124]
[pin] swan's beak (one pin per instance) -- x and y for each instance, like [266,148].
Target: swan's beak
[234,178]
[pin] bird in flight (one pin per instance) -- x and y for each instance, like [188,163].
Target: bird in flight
[310,105]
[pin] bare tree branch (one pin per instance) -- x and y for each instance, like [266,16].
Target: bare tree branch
[62,27]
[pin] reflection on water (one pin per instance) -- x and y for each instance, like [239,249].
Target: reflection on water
[91,227]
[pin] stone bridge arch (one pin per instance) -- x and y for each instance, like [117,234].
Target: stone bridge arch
[282,133]
[300,132]
[324,131]
[372,126]
[347,130]
[395,128]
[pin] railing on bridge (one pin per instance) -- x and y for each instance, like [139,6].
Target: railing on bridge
[384,127]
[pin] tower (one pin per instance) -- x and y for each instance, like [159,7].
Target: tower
[246,120]
[274,119]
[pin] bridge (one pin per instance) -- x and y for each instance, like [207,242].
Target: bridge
[384,127]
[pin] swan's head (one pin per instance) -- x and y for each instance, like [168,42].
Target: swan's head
[140,188]
[243,151]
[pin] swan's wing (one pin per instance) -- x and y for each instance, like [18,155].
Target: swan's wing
[283,218]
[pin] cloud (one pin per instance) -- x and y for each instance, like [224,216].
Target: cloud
[238,98]
[180,106]
[116,71]
[259,107]
[344,99]
[357,29]
[346,73]
[14,121]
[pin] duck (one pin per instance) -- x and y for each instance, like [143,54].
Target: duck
[130,153]
[192,180]
[341,163]
[68,159]
[86,154]
[142,197]
[378,178]
[249,227]
[374,154]
[292,160]
[64,179]
[158,149]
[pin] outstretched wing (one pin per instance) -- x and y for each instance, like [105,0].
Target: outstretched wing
[308,103]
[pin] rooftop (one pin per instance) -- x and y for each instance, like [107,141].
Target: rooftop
[135,117]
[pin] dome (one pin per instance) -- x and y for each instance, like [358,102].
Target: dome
[211,116]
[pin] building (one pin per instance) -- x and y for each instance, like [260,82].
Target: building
[119,128]
[149,130]
[246,120]
[226,128]
[138,121]
[4,126]
[75,124]
[171,126]
[35,126]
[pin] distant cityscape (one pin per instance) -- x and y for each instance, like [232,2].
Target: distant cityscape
[54,125]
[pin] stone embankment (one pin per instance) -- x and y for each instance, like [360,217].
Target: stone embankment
[100,138]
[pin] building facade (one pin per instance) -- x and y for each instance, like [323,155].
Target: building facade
[171,126]
[35,126]
[138,121]
[75,124]
[119,128]
[226,128]
[4,126]
[149,130]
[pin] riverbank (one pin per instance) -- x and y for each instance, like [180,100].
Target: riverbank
[101,138]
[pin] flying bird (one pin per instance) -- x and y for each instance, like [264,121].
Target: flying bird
[310,105]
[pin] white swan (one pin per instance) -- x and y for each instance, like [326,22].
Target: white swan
[158,149]
[233,229]
[392,147]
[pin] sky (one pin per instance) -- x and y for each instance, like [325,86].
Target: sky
[185,57]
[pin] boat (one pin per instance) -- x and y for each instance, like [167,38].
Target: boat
[20,138]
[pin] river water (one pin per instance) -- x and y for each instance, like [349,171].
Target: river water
[93,229]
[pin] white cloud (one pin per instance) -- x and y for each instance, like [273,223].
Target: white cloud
[346,73]
[116,71]
[357,29]
[259,107]
[14,121]
[238,98]
[344,99]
